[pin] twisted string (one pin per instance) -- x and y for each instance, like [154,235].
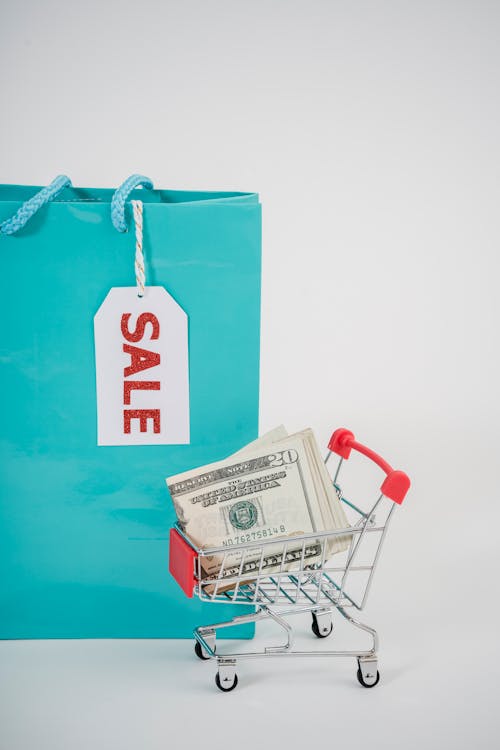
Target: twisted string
[140,274]
[31,206]
[120,197]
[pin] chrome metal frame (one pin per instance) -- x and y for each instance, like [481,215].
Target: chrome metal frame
[294,586]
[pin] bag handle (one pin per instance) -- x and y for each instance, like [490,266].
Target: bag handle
[120,196]
[48,193]
[31,206]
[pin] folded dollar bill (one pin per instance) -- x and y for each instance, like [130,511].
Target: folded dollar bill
[273,488]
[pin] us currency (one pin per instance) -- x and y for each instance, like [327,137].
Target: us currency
[276,487]
[278,433]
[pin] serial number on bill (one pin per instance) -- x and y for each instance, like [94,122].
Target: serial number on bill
[254,536]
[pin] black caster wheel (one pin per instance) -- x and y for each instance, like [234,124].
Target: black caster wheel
[366,685]
[199,651]
[317,632]
[226,688]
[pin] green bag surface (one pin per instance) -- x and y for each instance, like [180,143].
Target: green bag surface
[84,529]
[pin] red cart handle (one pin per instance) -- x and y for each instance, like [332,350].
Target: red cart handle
[395,485]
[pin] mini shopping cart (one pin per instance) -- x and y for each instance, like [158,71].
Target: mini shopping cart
[335,582]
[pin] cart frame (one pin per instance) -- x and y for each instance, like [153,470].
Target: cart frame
[294,584]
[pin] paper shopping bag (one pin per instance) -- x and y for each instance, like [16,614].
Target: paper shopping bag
[84,511]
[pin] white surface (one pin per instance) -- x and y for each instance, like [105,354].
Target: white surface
[371,131]
[157,694]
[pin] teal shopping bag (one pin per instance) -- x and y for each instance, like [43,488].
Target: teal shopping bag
[84,527]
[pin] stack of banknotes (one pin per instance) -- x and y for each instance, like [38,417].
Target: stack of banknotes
[275,487]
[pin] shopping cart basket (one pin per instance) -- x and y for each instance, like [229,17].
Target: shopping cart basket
[292,584]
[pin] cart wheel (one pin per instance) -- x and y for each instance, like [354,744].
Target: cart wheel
[324,633]
[227,687]
[199,651]
[365,684]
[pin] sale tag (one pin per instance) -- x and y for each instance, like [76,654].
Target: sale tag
[142,371]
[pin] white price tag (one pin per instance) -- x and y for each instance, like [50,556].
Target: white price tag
[142,371]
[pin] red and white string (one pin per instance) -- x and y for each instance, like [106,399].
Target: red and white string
[140,274]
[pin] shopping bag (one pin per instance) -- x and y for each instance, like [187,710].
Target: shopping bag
[85,518]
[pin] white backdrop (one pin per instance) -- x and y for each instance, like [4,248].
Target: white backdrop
[370,129]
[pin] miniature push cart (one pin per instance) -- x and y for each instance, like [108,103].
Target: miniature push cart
[331,582]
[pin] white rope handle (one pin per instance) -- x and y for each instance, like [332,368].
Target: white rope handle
[140,274]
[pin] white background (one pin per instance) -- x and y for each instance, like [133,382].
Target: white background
[371,131]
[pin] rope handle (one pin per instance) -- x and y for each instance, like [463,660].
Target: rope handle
[48,193]
[120,196]
[31,206]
